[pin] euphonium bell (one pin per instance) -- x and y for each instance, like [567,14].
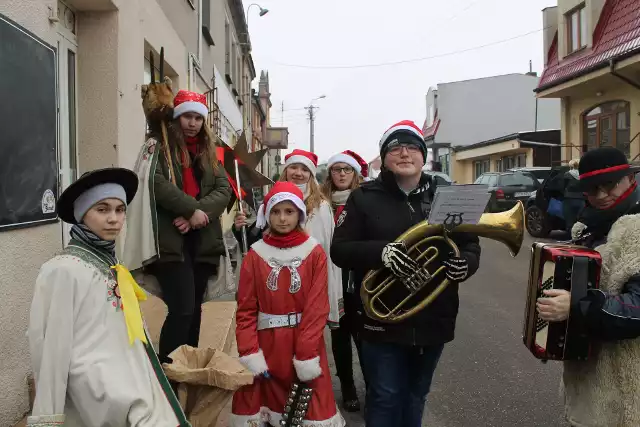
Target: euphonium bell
[391,300]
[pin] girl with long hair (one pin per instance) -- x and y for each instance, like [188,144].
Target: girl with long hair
[300,169]
[346,171]
[186,193]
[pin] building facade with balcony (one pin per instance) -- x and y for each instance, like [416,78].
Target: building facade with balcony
[592,64]
[94,56]
[467,112]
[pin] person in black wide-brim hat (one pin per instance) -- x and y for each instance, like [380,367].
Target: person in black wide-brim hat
[94,186]
[92,360]
[610,315]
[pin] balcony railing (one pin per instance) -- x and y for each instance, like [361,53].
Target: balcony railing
[213,119]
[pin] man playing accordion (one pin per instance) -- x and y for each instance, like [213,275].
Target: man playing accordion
[604,391]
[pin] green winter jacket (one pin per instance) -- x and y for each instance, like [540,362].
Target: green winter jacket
[172,202]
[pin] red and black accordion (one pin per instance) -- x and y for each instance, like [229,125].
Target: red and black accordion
[559,266]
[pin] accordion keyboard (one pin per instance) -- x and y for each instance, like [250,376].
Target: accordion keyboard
[546,285]
[542,327]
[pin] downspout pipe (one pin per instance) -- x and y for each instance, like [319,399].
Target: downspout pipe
[613,72]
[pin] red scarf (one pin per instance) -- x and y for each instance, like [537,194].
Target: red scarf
[624,195]
[283,241]
[189,183]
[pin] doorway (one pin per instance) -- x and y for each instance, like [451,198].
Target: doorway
[67,46]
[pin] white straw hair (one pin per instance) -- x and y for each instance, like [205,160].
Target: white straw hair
[264,212]
[96,194]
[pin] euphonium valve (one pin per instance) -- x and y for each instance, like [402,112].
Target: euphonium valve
[390,300]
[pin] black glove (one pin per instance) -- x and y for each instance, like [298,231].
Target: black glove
[457,268]
[395,258]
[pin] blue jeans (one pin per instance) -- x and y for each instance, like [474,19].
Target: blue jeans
[398,381]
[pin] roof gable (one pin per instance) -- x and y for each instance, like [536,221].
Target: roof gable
[617,35]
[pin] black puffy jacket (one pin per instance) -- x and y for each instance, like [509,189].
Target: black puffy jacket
[376,214]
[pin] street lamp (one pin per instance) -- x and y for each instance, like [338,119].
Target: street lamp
[262,12]
[311,120]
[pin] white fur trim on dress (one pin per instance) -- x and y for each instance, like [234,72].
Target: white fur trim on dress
[273,418]
[302,160]
[267,252]
[190,107]
[255,362]
[265,212]
[344,158]
[308,370]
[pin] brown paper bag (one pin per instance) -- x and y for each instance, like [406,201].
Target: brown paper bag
[207,378]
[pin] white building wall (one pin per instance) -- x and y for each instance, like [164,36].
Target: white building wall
[478,110]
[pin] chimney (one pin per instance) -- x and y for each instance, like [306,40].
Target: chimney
[550,28]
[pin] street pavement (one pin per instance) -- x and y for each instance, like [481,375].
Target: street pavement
[486,377]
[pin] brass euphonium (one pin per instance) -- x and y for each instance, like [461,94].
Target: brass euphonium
[429,245]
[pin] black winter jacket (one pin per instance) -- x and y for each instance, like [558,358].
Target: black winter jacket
[376,214]
[609,317]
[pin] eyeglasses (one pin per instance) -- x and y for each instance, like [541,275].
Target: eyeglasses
[397,149]
[348,170]
[605,188]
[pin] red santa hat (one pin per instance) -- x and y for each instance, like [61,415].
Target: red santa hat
[280,192]
[306,158]
[352,159]
[190,102]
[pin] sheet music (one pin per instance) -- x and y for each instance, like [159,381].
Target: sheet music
[460,204]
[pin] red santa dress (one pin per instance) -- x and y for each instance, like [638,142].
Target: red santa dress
[282,311]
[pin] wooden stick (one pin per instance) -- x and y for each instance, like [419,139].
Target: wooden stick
[167,153]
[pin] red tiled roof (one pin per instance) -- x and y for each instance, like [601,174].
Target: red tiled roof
[616,35]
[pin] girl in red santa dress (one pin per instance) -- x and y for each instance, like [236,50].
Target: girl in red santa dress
[283,307]
[300,168]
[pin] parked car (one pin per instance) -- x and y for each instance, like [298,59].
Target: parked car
[440,178]
[507,188]
[540,172]
[538,222]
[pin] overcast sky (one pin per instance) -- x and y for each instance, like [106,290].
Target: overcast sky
[307,45]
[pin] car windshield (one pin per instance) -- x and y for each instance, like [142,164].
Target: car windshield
[515,179]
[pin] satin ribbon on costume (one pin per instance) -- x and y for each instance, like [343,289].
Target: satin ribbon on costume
[131,293]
